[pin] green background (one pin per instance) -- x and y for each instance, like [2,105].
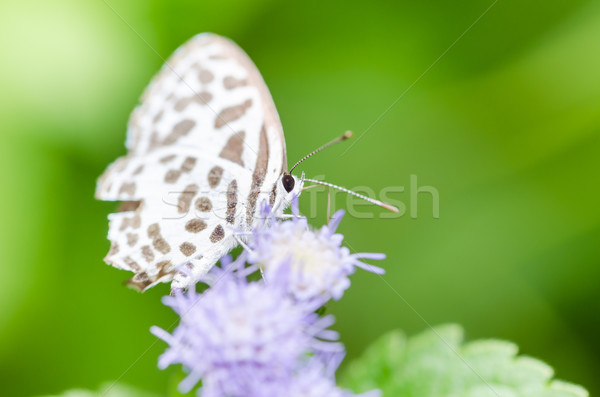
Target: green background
[505,125]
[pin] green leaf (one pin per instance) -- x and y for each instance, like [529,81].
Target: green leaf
[436,363]
[107,390]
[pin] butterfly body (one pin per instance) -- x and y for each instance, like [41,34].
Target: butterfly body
[205,150]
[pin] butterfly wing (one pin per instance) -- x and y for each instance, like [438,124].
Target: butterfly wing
[203,146]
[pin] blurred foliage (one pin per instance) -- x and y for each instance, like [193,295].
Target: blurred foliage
[505,125]
[436,363]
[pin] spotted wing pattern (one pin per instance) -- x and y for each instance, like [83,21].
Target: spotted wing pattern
[203,146]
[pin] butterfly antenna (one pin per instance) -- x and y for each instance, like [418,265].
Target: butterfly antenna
[343,189]
[346,135]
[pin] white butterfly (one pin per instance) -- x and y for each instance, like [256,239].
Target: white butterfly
[205,148]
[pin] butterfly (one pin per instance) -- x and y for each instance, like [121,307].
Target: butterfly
[205,150]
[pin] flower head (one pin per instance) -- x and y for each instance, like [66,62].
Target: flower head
[238,334]
[316,263]
[315,378]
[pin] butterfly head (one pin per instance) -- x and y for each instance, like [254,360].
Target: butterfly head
[289,186]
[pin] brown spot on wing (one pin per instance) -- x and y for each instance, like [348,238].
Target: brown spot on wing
[147,253]
[153,230]
[142,280]
[138,170]
[172,176]
[232,113]
[127,188]
[127,206]
[182,103]
[180,130]
[258,177]
[157,118]
[132,239]
[273,195]
[158,242]
[201,98]
[167,159]
[195,225]
[161,245]
[234,148]
[231,82]
[134,222]
[188,164]
[231,201]
[132,264]
[214,176]
[125,223]
[205,75]
[187,248]
[185,198]
[217,234]
[203,204]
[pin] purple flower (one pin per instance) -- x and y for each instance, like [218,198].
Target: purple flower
[316,262]
[313,382]
[238,336]
[313,379]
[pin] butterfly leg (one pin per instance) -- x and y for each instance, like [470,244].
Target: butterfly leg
[240,242]
[245,246]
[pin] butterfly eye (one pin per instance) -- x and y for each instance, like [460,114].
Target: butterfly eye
[288,182]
